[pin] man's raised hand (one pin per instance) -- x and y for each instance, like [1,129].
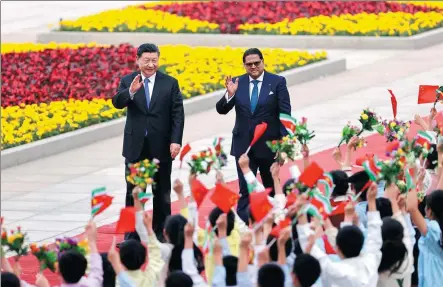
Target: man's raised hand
[135,85]
[231,86]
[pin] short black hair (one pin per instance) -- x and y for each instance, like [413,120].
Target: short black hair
[72,266]
[230,218]
[178,279]
[359,180]
[273,250]
[147,48]
[271,275]
[230,263]
[10,280]
[340,179]
[307,269]
[132,254]
[108,271]
[350,240]
[432,158]
[252,51]
[384,206]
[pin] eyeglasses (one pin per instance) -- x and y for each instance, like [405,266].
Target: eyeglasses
[256,64]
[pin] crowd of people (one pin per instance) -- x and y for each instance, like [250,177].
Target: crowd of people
[383,238]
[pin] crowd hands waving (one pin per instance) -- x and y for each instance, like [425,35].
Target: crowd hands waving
[381,238]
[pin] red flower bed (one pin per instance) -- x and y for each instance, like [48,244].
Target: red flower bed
[229,14]
[83,73]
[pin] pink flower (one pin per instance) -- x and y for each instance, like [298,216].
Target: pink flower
[303,120]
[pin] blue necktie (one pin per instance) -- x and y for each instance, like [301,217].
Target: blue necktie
[254,95]
[148,96]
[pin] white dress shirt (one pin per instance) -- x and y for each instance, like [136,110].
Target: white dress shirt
[151,85]
[360,271]
[251,86]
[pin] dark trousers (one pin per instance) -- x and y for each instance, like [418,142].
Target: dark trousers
[161,191]
[255,163]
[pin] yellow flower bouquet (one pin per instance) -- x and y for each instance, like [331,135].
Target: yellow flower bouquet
[142,173]
[15,242]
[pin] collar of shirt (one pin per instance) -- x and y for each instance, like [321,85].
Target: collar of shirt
[151,79]
[260,79]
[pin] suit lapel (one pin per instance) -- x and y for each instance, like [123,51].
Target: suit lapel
[264,91]
[155,90]
[140,97]
[244,91]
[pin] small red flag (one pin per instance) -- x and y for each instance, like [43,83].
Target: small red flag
[184,151]
[281,225]
[290,199]
[105,200]
[126,222]
[426,94]
[311,175]
[328,247]
[224,198]
[258,132]
[359,161]
[199,191]
[339,209]
[394,103]
[259,205]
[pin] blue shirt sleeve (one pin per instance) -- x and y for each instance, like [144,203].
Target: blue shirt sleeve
[124,280]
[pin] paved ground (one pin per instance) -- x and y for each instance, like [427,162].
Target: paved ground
[51,196]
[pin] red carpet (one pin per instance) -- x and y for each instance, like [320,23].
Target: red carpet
[375,144]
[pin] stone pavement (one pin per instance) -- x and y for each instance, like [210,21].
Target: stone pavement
[51,196]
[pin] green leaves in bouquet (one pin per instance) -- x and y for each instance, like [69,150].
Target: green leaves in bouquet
[202,162]
[369,120]
[302,133]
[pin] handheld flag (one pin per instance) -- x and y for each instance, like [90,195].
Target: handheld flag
[126,222]
[281,225]
[224,198]
[100,201]
[394,103]
[199,191]
[186,149]
[426,94]
[258,132]
[259,205]
[311,175]
[289,123]
[144,197]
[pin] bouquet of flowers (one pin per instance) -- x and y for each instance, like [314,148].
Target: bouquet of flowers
[348,132]
[142,173]
[220,154]
[201,162]
[15,242]
[65,244]
[421,195]
[395,129]
[369,122]
[287,147]
[47,258]
[302,133]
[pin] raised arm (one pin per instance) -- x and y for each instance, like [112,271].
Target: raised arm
[177,115]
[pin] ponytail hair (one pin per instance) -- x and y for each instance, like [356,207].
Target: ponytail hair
[175,230]
[434,201]
[393,250]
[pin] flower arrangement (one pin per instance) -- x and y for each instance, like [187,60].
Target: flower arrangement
[222,158]
[302,133]
[369,121]
[202,162]
[348,132]
[142,173]
[15,242]
[395,129]
[47,258]
[286,148]
[67,243]
[401,184]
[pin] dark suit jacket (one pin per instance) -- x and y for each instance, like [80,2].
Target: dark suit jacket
[164,119]
[268,109]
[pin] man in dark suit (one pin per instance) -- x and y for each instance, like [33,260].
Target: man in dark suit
[258,96]
[154,127]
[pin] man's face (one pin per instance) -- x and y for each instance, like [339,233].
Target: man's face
[254,66]
[148,63]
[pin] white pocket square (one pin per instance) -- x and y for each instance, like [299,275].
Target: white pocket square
[271,93]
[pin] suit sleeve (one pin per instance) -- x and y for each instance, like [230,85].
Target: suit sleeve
[284,102]
[121,98]
[224,106]
[178,115]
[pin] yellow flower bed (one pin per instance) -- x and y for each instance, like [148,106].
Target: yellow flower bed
[134,19]
[201,70]
[363,24]
[35,47]
[28,123]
